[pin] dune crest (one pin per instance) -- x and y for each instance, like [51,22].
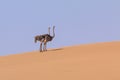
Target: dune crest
[100,61]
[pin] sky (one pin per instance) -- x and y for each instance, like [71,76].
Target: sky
[77,22]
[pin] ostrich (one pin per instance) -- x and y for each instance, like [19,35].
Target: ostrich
[44,39]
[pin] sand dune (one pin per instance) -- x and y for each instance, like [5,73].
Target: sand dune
[100,61]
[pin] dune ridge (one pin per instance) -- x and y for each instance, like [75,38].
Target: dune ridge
[98,61]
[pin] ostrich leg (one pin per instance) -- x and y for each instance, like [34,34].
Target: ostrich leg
[41,47]
[45,44]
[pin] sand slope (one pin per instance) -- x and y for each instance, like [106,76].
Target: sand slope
[99,61]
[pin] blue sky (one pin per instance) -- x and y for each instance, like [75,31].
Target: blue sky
[76,21]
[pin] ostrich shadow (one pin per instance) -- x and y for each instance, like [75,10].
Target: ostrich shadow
[57,49]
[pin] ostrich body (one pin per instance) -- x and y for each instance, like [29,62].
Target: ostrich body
[44,39]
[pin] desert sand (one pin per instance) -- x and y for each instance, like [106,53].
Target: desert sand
[98,61]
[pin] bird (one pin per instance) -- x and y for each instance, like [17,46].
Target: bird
[44,38]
